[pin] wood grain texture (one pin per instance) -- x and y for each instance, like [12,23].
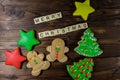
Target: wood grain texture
[19,14]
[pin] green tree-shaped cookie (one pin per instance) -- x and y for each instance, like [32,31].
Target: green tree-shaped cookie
[81,70]
[88,45]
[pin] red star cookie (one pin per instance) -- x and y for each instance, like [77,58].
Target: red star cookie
[14,58]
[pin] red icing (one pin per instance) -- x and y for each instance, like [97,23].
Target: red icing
[14,58]
[77,77]
[89,67]
[57,52]
[83,71]
[71,66]
[73,71]
[79,67]
[86,75]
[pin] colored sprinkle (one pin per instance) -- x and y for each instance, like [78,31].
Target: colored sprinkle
[87,75]
[80,67]
[77,77]
[71,66]
[89,67]
[73,71]
[83,71]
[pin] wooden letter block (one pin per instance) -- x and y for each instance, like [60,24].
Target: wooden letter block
[48,18]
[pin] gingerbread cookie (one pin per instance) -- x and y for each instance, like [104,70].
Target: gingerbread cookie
[57,51]
[36,62]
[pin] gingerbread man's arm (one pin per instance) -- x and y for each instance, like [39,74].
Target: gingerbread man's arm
[66,49]
[48,48]
[41,56]
[28,65]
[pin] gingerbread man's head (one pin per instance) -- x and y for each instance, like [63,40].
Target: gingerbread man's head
[33,58]
[58,45]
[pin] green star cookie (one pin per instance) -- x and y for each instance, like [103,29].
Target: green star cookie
[83,9]
[27,39]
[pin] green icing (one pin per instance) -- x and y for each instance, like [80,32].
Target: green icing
[88,45]
[81,70]
[36,62]
[57,49]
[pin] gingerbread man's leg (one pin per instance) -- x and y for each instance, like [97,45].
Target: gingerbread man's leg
[37,69]
[64,59]
[46,65]
[36,72]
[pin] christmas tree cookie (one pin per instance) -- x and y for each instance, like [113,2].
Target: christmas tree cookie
[88,45]
[81,70]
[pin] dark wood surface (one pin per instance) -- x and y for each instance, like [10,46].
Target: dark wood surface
[105,22]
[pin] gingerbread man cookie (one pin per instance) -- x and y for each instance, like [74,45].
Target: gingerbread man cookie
[36,62]
[57,51]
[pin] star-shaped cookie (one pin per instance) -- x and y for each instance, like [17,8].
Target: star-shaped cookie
[27,39]
[83,9]
[14,58]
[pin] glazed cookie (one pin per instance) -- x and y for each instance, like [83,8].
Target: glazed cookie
[81,70]
[57,51]
[36,62]
[14,58]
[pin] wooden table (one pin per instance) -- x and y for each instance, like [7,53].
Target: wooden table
[105,22]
